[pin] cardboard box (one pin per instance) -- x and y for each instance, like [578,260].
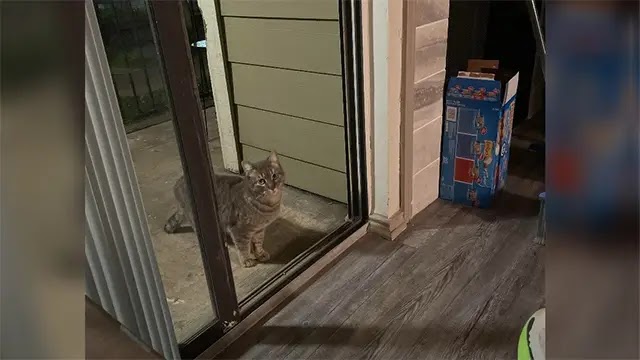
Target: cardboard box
[476,134]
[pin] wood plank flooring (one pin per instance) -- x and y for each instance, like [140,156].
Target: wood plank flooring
[458,284]
[106,338]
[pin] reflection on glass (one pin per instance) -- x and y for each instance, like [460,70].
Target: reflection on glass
[286,86]
[138,79]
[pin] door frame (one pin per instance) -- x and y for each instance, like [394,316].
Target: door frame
[190,126]
[167,19]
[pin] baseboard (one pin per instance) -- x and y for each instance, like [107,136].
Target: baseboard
[388,228]
[288,291]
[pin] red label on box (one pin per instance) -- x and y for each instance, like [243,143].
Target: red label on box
[466,171]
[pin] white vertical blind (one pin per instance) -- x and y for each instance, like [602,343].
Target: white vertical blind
[122,273]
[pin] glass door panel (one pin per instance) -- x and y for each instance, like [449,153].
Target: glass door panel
[285,182]
[258,218]
[148,118]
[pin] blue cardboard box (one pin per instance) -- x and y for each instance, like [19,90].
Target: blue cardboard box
[476,137]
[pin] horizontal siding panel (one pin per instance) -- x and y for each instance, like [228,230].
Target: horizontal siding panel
[426,144]
[302,94]
[290,9]
[292,137]
[428,11]
[430,60]
[427,99]
[432,33]
[425,187]
[290,44]
[315,179]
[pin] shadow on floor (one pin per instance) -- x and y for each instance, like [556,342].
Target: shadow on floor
[530,165]
[298,238]
[295,239]
[184,230]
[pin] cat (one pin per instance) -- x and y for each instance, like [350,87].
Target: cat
[247,205]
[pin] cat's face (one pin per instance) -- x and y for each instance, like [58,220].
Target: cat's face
[265,178]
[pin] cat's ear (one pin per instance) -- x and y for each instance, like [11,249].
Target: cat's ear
[247,167]
[273,158]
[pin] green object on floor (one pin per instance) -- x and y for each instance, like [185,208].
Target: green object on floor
[531,343]
[523,344]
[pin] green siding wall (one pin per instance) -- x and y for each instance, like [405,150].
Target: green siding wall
[292,44]
[287,88]
[284,9]
[293,137]
[307,95]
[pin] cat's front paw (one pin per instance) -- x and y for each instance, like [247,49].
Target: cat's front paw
[249,263]
[263,256]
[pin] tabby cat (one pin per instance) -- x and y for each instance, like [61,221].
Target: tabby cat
[246,205]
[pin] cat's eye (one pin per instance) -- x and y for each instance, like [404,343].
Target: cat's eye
[262,182]
[274,176]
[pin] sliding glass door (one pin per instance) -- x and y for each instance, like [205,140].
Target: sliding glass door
[230,231]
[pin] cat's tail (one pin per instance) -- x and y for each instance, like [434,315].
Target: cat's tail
[174,222]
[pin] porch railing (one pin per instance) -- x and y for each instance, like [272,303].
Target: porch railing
[134,63]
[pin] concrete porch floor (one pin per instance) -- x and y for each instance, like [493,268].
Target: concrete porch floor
[305,219]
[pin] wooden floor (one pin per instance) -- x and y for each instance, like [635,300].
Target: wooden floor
[458,284]
[106,338]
